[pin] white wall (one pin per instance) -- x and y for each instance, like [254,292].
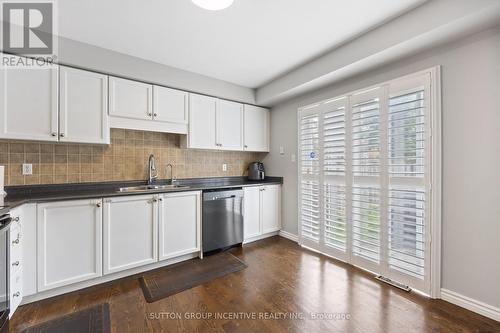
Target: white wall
[95,58]
[471,156]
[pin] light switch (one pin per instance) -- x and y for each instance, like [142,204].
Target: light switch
[27,169]
[282,150]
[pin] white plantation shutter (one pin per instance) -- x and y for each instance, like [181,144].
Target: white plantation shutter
[364,179]
[408,132]
[366,170]
[334,149]
[309,169]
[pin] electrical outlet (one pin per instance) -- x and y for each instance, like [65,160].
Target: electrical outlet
[282,150]
[224,167]
[27,169]
[293,158]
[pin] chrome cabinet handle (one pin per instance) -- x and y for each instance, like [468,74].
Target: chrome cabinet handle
[155,114]
[15,241]
[53,134]
[98,205]
[62,135]
[17,294]
[16,219]
[246,146]
[150,114]
[16,263]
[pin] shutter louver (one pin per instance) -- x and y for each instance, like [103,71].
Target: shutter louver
[309,142]
[310,210]
[366,223]
[366,138]
[407,134]
[334,162]
[335,216]
[407,231]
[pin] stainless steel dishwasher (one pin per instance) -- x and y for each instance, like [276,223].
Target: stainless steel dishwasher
[222,219]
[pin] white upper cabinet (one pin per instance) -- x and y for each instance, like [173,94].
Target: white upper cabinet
[83,106]
[69,246]
[229,121]
[202,123]
[170,105]
[256,133]
[130,99]
[130,232]
[28,103]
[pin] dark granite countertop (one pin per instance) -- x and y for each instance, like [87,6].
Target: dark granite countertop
[18,195]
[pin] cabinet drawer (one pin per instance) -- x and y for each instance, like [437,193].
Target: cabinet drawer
[16,290]
[16,249]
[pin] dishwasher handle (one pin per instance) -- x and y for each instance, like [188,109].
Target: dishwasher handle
[224,198]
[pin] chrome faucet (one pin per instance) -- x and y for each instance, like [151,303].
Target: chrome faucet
[172,180]
[153,173]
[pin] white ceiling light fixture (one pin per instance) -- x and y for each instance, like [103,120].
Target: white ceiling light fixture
[213,4]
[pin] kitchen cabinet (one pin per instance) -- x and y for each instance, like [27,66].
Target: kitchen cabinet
[270,207]
[214,123]
[69,244]
[130,232]
[251,211]
[256,132]
[83,106]
[202,122]
[29,103]
[262,210]
[130,99]
[170,105]
[16,260]
[179,224]
[229,125]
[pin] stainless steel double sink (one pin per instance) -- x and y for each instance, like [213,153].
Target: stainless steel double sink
[149,188]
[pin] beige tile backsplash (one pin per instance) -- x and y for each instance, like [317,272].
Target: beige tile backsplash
[125,159]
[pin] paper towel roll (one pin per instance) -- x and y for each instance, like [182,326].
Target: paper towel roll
[2,171]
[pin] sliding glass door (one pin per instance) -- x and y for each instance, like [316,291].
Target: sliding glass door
[364,179]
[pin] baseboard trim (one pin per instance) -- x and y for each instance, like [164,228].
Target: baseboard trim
[289,236]
[471,304]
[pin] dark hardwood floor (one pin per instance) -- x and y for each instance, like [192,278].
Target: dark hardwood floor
[281,279]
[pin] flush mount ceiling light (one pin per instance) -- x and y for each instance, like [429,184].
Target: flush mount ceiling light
[213,4]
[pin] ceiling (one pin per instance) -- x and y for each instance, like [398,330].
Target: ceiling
[249,44]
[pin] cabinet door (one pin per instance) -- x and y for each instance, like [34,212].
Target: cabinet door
[130,99]
[170,105]
[256,133]
[251,212]
[83,106]
[130,232]
[270,207]
[69,242]
[28,107]
[202,125]
[179,224]
[229,125]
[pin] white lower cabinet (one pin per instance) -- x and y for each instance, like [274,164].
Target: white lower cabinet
[179,224]
[262,207]
[130,232]
[69,244]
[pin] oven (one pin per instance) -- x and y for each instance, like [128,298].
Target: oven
[5,221]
